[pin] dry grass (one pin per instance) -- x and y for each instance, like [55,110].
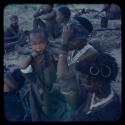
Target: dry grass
[107,41]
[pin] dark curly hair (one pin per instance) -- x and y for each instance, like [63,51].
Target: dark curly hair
[102,60]
[43,34]
[65,11]
[85,23]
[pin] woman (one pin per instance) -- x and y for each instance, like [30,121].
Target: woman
[101,102]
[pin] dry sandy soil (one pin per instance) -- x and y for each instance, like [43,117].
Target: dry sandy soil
[108,41]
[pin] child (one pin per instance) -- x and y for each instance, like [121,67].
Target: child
[12,32]
[40,70]
[13,108]
[45,18]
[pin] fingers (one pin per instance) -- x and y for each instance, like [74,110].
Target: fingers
[68,28]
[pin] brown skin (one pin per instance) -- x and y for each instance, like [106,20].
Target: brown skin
[9,83]
[60,17]
[46,7]
[64,71]
[93,85]
[38,45]
[13,21]
[76,43]
[90,85]
[73,44]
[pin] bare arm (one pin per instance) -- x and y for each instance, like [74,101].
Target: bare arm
[89,55]
[62,66]
[48,15]
[25,60]
[38,13]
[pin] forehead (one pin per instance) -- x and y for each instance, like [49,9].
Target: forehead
[37,38]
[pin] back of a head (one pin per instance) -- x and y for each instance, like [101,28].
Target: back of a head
[65,11]
[105,65]
[108,60]
[85,22]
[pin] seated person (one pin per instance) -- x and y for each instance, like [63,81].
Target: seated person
[40,70]
[64,17]
[12,32]
[45,19]
[101,102]
[13,109]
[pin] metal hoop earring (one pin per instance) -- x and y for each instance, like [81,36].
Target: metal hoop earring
[93,73]
[109,73]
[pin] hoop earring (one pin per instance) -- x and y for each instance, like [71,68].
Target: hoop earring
[109,72]
[93,73]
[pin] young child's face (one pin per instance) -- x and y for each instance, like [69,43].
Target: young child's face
[38,44]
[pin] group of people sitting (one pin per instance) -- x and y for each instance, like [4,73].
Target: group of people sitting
[71,82]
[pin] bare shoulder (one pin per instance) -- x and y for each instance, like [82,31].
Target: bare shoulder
[89,55]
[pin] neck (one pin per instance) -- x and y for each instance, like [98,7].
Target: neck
[103,91]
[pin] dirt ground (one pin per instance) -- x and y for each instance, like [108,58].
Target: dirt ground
[108,41]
